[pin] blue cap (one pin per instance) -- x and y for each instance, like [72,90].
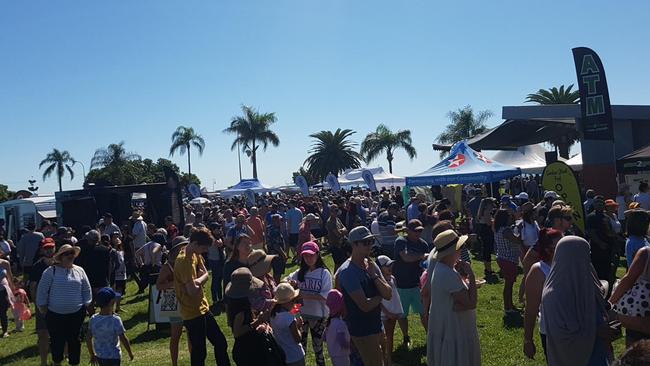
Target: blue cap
[105,295]
[505,198]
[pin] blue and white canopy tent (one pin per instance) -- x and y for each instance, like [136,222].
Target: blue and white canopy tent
[247,184]
[463,166]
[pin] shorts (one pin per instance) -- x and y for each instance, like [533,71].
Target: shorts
[410,298]
[40,320]
[384,317]
[175,320]
[293,240]
[508,269]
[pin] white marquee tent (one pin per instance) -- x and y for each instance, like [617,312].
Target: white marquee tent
[352,177]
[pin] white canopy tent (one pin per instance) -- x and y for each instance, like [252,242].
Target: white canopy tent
[247,184]
[575,162]
[352,177]
[530,159]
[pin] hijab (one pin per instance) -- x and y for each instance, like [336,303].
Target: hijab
[572,301]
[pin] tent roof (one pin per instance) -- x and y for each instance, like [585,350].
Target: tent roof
[463,165]
[244,185]
[640,154]
[530,159]
[352,177]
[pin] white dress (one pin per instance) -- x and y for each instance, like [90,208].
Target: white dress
[453,337]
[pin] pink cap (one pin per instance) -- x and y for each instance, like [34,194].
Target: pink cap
[335,302]
[309,248]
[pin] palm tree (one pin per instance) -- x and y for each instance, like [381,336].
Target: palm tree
[554,95]
[464,125]
[182,139]
[112,156]
[383,139]
[59,161]
[332,153]
[253,131]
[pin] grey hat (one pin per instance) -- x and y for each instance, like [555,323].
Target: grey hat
[178,242]
[360,233]
[93,235]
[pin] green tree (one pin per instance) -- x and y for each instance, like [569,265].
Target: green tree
[138,172]
[383,139]
[115,155]
[562,142]
[311,180]
[555,96]
[5,193]
[253,130]
[332,153]
[182,139]
[464,125]
[59,162]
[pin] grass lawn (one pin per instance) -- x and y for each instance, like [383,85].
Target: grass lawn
[500,345]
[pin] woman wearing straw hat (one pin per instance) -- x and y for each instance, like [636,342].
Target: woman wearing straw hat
[259,264]
[452,338]
[63,294]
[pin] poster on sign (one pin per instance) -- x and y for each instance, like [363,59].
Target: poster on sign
[162,306]
[561,179]
[333,182]
[301,182]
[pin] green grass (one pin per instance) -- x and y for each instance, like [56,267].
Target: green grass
[500,345]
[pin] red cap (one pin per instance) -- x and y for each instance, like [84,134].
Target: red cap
[309,248]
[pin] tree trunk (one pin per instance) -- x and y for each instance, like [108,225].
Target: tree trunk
[189,163]
[60,187]
[390,166]
[254,159]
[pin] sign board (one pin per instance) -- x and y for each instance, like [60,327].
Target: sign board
[333,182]
[369,179]
[301,182]
[560,178]
[194,190]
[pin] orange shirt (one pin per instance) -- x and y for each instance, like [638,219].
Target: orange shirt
[255,223]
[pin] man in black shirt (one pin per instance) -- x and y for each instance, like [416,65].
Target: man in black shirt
[96,261]
[601,238]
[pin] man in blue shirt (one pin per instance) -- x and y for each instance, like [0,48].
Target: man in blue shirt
[294,218]
[363,288]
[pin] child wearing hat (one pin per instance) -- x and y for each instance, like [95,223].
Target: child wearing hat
[391,310]
[107,331]
[337,335]
[286,326]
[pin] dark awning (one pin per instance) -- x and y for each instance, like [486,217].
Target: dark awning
[514,133]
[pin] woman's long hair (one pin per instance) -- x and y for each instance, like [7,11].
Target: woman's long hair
[236,306]
[234,255]
[501,219]
[304,267]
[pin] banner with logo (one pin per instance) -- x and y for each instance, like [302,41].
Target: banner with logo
[250,196]
[194,190]
[369,179]
[594,95]
[333,182]
[301,182]
[560,178]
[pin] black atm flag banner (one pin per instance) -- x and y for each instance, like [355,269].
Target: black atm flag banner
[594,95]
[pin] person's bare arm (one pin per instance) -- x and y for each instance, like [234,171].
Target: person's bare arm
[295,331]
[636,268]
[534,287]
[238,326]
[127,345]
[466,299]
[163,282]
[364,303]
[91,349]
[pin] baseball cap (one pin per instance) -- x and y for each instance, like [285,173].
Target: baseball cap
[108,215]
[505,198]
[384,261]
[48,243]
[522,196]
[309,248]
[105,295]
[360,233]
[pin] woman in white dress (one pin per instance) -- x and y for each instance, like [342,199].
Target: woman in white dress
[452,338]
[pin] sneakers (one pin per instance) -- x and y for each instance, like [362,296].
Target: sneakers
[4,335]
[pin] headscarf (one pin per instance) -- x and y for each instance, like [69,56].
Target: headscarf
[571,302]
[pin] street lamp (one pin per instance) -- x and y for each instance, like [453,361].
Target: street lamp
[83,169]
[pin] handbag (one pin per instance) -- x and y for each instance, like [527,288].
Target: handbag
[274,353]
[636,301]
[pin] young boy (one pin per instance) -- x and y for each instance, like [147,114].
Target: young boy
[391,310]
[106,331]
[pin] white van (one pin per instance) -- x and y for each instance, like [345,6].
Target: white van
[18,213]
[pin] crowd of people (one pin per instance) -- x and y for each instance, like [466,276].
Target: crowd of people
[393,255]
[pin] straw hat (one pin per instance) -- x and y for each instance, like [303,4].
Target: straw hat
[242,283]
[259,262]
[64,249]
[448,242]
[284,293]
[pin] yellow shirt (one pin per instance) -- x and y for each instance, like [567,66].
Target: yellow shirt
[185,271]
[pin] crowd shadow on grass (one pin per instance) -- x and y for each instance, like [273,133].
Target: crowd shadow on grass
[410,357]
[134,299]
[31,351]
[152,334]
[137,318]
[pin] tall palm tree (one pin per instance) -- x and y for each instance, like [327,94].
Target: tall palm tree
[182,139]
[59,161]
[253,130]
[332,153]
[464,124]
[115,155]
[554,95]
[383,139]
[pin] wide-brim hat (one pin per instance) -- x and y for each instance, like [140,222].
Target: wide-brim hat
[64,249]
[448,242]
[178,242]
[242,283]
[259,262]
[284,293]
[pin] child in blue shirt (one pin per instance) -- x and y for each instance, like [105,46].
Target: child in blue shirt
[107,331]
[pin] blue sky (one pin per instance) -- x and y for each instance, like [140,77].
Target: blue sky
[78,75]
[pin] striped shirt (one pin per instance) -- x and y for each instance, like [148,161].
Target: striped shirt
[387,229]
[64,290]
[504,248]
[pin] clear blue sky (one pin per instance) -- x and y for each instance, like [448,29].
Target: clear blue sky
[78,75]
